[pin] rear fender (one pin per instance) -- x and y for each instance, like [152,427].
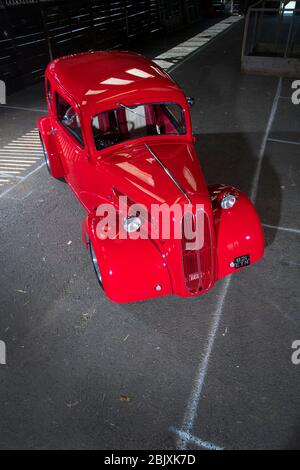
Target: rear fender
[46,131]
[131,270]
[238,230]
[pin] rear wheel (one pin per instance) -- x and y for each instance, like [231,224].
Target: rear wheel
[95,264]
[47,161]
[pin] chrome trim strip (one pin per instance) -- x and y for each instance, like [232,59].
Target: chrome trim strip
[168,173]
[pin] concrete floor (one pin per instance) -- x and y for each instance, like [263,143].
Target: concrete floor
[209,371]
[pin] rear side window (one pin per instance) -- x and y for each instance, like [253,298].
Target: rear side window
[69,118]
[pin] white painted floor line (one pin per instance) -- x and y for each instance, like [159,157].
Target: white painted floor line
[13,168]
[20,150]
[32,137]
[21,156]
[176,56]
[26,155]
[10,161]
[189,438]
[264,142]
[26,140]
[17,156]
[193,402]
[31,141]
[22,180]
[29,135]
[281,141]
[33,131]
[21,108]
[11,171]
[284,229]
[17,160]
[23,144]
[14,165]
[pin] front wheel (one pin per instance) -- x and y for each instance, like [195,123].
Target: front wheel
[95,264]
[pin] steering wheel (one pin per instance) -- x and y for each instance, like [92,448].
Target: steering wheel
[106,139]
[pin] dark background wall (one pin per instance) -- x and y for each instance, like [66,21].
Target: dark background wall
[34,31]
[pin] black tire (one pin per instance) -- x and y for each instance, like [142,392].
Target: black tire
[95,264]
[47,161]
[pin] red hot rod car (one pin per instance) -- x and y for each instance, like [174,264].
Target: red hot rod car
[118,125]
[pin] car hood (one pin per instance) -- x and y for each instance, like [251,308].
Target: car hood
[168,174]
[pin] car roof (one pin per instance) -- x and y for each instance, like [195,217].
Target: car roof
[98,79]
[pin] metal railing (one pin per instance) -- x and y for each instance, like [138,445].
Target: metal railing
[271,42]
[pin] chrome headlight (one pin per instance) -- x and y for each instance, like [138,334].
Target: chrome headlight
[228,201]
[132,224]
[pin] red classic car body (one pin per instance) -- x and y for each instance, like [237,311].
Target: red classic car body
[84,93]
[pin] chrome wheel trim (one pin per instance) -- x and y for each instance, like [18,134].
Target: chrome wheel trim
[45,155]
[95,264]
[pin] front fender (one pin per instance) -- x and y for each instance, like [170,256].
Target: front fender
[238,230]
[130,269]
[46,131]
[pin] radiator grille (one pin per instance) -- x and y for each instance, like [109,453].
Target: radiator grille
[198,264]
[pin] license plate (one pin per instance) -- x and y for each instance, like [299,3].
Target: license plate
[241,261]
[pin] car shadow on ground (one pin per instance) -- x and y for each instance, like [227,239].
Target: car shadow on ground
[229,158]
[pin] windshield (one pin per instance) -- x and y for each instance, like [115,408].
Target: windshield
[125,123]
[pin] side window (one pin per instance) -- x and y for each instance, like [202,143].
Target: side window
[69,118]
[49,93]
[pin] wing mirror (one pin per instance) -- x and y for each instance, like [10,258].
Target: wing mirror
[190,100]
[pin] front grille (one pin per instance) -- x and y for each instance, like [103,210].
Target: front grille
[198,264]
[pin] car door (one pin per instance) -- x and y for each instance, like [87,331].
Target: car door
[80,172]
